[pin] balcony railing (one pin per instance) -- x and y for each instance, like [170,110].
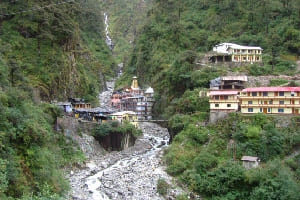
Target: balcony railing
[272,105]
[269,97]
[224,101]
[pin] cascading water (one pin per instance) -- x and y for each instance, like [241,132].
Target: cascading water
[108,39]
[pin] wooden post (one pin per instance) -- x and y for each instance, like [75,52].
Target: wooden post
[235,151]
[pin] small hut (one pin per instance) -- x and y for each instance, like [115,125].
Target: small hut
[250,162]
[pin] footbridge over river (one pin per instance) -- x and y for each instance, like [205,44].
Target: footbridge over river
[161,122]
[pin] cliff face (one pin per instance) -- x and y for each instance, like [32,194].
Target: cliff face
[117,141]
[81,132]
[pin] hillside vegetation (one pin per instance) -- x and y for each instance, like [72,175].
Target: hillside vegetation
[58,50]
[205,158]
[177,32]
[51,53]
[125,17]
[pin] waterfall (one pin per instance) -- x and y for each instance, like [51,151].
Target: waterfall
[108,39]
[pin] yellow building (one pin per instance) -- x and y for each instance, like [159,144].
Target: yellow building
[270,100]
[226,52]
[226,101]
[129,116]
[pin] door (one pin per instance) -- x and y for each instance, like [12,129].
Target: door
[297,111]
[293,102]
[265,110]
[265,102]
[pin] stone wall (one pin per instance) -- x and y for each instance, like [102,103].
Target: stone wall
[217,115]
[263,81]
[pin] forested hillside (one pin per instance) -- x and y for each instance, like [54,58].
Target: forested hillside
[167,55]
[48,51]
[126,17]
[179,31]
[58,50]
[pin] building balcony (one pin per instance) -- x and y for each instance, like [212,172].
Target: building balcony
[245,53]
[269,97]
[224,101]
[271,105]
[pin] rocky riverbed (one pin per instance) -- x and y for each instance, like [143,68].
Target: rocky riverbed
[128,174]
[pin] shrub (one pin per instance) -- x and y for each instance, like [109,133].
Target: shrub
[205,161]
[101,130]
[277,82]
[162,186]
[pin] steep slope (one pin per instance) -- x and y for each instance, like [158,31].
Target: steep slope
[125,18]
[178,31]
[58,50]
[52,52]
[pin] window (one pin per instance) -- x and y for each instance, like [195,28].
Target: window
[226,97]
[217,105]
[254,94]
[228,105]
[281,93]
[244,58]
[271,102]
[281,102]
[216,97]
[292,93]
[249,102]
[265,94]
[250,109]
[260,109]
[269,109]
[280,110]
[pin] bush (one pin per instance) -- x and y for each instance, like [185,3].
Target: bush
[162,186]
[204,162]
[101,130]
[182,197]
[277,82]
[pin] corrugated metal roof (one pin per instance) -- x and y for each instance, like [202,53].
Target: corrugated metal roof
[92,110]
[123,113]
[272,89]
[231,92]
[62,104]
[233,78]
[249,158]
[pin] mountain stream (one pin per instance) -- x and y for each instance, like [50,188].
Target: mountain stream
[128,174]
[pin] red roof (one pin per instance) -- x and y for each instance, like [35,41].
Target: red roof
[272,89]
[212,93]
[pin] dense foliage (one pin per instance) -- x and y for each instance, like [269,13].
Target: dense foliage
[115,127]
[178,33]
[31,153]
[50,53]
[58,50]
[125,18]
[203,158]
